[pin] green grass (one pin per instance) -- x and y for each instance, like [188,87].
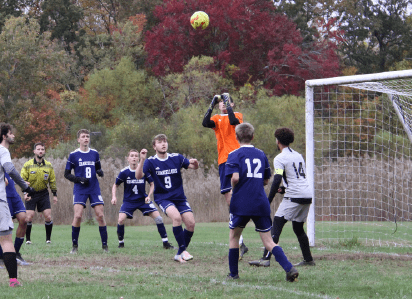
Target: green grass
[143,269]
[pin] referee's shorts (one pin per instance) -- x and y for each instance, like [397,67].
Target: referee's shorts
[40,199]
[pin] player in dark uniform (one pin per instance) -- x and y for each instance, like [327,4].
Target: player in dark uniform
[290,167]
[135,197]
[165,170]
[86,165]
[249,170]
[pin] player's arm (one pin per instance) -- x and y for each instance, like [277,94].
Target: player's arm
[13,173]
[75,179]
[265,182]
[207,122]
[233,120]
[275,184]
[52,184]
[114,198]
[151,190]
[139,170]
[99,170]
[193,164]
[235,179]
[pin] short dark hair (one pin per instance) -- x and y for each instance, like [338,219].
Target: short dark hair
[244,132]
[159,137]
[285,136]
[4,130]
[82,131]
[39,143]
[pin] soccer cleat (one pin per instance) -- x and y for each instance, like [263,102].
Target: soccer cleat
[20,260]
[167,245]
[186,256]
[28,242]
[48,242]
[305,263]
[179,258]
[260,263]
[121,244]
[292,275]
[243,250]
[74,249]
[14,283]
[105,248]
[230,277]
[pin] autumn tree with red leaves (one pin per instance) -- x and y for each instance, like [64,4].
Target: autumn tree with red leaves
[248,40]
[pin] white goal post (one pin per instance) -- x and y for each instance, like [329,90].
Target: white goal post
[359,158]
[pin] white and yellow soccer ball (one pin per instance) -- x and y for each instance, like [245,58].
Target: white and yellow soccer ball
[199,20]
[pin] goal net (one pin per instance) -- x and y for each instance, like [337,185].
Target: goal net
[358,156]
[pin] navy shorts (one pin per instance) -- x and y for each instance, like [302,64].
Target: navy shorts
[39,200]
[225,181]
[262,224]
[81,199]
[129,207]
[181,205]
[16,205]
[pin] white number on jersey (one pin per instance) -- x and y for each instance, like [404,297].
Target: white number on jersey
[255,173]
[135,189]
[168,182]
[88,172]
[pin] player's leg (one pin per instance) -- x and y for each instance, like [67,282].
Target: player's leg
[304,244]
[43,206]
[99,211]
[172,212]
[234,237]
[29,219]
[120,229]
[20,232]
[77,219]
[189,221]
[155,215]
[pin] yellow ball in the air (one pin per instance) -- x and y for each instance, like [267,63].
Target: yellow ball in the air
[199,20]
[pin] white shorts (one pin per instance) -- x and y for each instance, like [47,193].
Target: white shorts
[293,211]
[6,223]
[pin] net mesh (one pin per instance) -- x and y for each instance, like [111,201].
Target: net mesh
[363,168]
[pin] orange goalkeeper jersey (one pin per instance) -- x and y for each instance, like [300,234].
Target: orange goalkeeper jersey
[225,135]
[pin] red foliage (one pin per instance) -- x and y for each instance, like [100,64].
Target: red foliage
[249,34]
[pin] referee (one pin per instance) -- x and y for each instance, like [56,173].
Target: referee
[39,173]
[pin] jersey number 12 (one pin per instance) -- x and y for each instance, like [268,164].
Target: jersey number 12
[255,173]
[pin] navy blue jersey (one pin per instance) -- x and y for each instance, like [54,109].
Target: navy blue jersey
[166,176]
[134,190]
[10,188]
[249,197]
[84,165]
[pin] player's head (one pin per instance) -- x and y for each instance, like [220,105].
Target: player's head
[285,136]
[160,144]
[133,157]
[222,106]
[83,137]
[244,132]
[6,133]
[39,150]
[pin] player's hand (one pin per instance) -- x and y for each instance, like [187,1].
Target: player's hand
[114,201]
[215,100]
[100,173]
[55,200]
[143,155]
[226,98]
[29,190]
[6,181]
[84,181]
[26,197]
[194,163]
[281,190]
[147,200]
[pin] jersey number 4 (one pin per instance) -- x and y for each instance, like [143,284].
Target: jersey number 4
[255,173]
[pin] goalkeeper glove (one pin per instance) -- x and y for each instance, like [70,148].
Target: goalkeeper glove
[100,173]
[226,99]
[215,100]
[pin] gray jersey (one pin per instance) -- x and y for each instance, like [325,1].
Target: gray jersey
[4,158]
[291,165]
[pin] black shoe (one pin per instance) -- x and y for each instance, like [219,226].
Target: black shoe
[74,249]
[167,245]
[305,263]
[230,277]
[243,250]
[20,260]
[105,248]
[292,275]
[260,263]
[121,245]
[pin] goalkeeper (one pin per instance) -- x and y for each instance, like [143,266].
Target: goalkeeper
[224,125]
[289,166]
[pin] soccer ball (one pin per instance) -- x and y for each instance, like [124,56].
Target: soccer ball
[199,20]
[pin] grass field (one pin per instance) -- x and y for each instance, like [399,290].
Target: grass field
[143,269]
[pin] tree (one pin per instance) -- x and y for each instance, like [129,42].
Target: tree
[377,33]
[243,37]
[10,8]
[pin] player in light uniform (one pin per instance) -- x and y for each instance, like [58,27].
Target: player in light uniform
[6,222]
[165,170]
[290,167]
[135,197]
[224,127]
[249,171]
[86,164]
